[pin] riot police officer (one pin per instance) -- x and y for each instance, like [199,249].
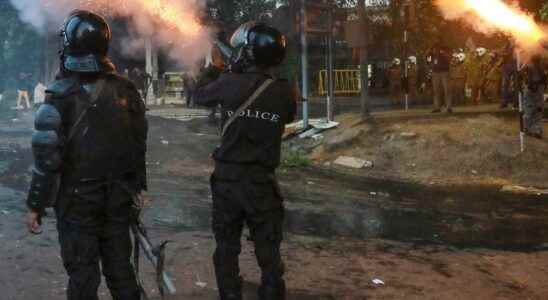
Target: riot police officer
[255,109]
[395,80]
[533,102]
[89,148]
[457,74]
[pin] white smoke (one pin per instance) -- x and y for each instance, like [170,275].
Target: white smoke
[183,47]
[31,13]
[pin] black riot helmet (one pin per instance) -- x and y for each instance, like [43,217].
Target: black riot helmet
[86,37]
[259,44]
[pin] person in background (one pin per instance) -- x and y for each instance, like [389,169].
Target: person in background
[441,64]
[533,102]
[395,80]
[189,85]
[39,93]
[509,95]
[213,68]
[476,69]
[23,91]
[140,79]
[458,77]
[126,74]
[412,78]
[493,81]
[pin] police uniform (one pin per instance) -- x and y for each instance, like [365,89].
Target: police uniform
[494,80]
[509,80]
[90,142]
[395,83]
[475,77]
[458,81]
[412,78]
[533,104]
[244,185]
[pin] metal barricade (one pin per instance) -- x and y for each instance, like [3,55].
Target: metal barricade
[346,82]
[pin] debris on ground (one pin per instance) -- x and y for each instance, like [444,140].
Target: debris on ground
[377,281]
[352,162]
[199,282]
[408,135]
[458,149]
[316,126]
[516,189]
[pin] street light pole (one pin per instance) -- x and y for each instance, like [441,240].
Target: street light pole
[149,69]
[364,68]
[330,83]
[304,64]
[405,17]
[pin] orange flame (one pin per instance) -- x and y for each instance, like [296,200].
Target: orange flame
[492,15]
[173,16]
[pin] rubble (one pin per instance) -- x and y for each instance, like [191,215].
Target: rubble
[409,135]
[377,281]
[352,162]
[516,189]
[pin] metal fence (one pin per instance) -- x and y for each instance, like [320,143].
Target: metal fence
[346,82]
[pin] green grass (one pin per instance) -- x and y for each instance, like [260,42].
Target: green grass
[294,159]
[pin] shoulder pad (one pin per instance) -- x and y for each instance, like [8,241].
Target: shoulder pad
[47,118]
[62,87]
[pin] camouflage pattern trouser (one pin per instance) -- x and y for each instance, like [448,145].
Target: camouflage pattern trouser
[259,205]
[458,86]
[508,93]
[492,90]
[533,108]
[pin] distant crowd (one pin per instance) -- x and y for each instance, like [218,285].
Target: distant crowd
[27,92]
[476,75]
[31,93]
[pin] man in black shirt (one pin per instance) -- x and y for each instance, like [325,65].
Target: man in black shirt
[533,102]
[441,61]
[255,109]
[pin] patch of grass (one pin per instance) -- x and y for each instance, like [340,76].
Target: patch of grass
[294,159]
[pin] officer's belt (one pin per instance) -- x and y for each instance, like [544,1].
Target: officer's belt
[75,179]
[237,172]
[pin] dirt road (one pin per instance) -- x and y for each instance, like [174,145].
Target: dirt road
[341,233]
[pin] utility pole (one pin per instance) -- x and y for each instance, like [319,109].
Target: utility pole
[152,70]
[304,64]
[330,71]
[364,66]
[520,103]
[405,21]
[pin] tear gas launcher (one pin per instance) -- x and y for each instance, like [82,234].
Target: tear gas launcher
[154,254]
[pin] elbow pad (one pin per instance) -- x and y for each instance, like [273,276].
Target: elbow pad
[46,148]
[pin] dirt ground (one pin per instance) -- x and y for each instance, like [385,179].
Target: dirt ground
[340,234]
[461,148]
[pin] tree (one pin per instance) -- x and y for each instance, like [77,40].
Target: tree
[21,48]
[232,13]
[544,12]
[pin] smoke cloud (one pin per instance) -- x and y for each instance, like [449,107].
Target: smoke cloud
[171,24]
[493,16]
